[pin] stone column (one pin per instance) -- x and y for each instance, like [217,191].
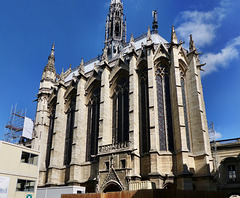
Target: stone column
[56,167]
[79,133]
[40,137]
[105,118]
[134,115]
[184,180]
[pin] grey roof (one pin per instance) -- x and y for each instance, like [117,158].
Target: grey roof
[88,66]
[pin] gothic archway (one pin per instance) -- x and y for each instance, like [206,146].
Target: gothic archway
[112,187]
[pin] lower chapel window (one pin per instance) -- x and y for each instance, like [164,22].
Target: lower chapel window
[164,109]
[93,124]
[121,111]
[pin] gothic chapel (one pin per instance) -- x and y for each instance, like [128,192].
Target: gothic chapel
[129,119]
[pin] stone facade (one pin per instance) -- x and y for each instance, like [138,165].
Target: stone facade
[226,156]
[136,113]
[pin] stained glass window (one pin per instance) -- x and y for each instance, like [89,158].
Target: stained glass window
[50,136]
[161,119]
[93,125]
[164,109]
[69,131]
[144,111]
[185,112]
[168,113]
[121,111]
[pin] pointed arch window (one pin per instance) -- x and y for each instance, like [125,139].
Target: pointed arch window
[69,131]
[144,110]
[93,124]
[117,29]
[50,135]
[164,108]
[121,111]
[185,109]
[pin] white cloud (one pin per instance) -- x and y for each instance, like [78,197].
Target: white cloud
[215,136]
[202,25]
[222,58]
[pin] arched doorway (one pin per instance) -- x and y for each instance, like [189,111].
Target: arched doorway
[112,187]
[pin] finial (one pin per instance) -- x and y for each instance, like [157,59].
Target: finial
[105,54]
[191,44]
[81,67]
[132,39]
[132,45]
[70,66]
[174,36]
[155,21]
[149,37]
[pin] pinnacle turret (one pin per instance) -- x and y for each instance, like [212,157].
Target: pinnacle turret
[191,44]
[174,36]
[115,31]
[51,61]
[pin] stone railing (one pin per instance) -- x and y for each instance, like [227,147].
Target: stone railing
[114,147]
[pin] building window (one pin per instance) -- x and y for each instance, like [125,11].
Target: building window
[93,124]
[69,131]
[231,173]
[121,111]
[185,111]
[144,110]
[25,185]
[123,163]
[29,158]
[107,165]
[164,108]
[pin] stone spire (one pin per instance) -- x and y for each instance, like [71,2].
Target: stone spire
[115,31]
[115,1]
[51,61]
[174,36]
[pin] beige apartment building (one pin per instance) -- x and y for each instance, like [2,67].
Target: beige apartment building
[131,118]
[226,155]
[18,171]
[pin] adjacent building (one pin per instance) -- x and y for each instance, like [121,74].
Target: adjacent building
[18,171]
[226,155]
[132,117]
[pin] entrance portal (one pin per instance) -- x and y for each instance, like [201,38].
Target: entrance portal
[112,187]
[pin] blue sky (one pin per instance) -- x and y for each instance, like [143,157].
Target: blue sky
[28,28]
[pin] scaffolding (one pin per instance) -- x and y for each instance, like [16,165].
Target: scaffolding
[212,134]
[14,127]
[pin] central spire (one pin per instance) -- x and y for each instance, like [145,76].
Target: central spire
[115,1]
[115,33]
